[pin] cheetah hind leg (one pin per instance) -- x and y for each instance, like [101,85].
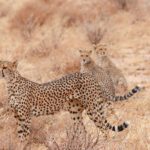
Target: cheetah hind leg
[97,115]
[98,118]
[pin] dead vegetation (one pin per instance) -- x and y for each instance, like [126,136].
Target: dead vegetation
[73,140]
[122,4]
[44,47]
[4,10]
[41,50]
[51,32]
[30,17]
[96,30]
[126,5]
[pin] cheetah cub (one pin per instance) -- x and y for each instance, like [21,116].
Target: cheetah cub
[104,80]
[89,66]
[105,62]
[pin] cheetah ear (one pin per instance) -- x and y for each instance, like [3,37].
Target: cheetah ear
[90,51]
[15,64]
[80,51]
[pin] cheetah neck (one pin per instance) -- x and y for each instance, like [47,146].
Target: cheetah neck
[104,61]
[12,77]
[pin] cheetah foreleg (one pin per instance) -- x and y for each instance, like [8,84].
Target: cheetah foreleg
[76,109]
[24,124]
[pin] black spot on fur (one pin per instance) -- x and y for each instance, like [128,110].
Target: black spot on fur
[125,97]
[95,120]
[21,119]
[113,128]
[120,128]
[134,90]
[125,125]
[20,131]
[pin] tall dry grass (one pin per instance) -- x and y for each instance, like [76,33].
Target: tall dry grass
[95,31]
[44,36]
[32,15]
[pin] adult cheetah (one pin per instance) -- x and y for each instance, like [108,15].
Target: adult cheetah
[27,98]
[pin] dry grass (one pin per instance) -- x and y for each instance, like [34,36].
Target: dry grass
[122,4]
[95,31]
[126,5]
[49,34]
[31,16]
[72,140]
[42,50]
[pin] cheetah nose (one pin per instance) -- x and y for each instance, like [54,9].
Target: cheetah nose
[83,59]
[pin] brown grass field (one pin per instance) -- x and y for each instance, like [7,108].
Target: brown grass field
[45,35]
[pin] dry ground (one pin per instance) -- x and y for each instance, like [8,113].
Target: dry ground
[44,36]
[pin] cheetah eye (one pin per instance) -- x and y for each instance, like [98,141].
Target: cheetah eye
[81,55]
[86,55]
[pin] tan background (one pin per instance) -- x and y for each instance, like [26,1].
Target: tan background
[44,35]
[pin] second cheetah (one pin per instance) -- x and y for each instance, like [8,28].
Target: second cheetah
[105,62]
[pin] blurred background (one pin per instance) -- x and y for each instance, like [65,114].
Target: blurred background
[45,35]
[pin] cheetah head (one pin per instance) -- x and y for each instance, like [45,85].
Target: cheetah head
[7,67]
[85,56]
[101,50]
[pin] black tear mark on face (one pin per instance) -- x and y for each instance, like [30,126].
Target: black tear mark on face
[3,71]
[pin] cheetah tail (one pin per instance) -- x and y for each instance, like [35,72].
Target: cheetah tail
[135,90]
[117,128]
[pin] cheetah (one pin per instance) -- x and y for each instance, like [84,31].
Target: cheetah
[89,66]
[105,62]
[27,98]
